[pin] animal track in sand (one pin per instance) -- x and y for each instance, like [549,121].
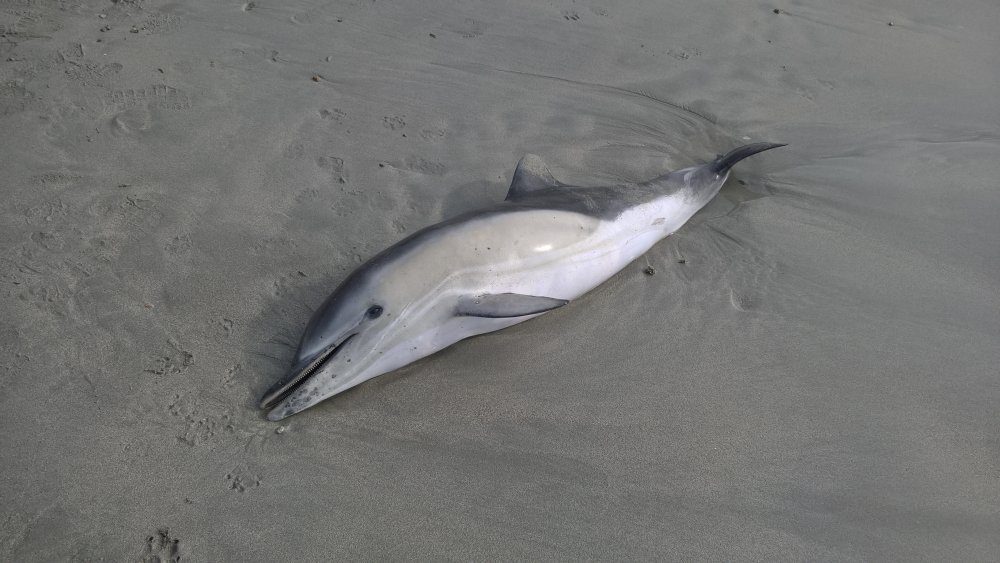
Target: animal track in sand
[241,480]
[310,193]
[49,296]
[469,29]
[178,245]
[15,361]
[171,364]
[570,15]
[93,74]
[280,286]
[132,121]
[433,135]
[71,51]
[46,212]
[350,191]
[294,150]
[682,54]
[232,374]
[201,423]
[335,166]
[161,547]
[177,360]
[49,240]
[333,114]
[135,210]
[226,325]
[331,163]
[417,164]
[393,122]
[15,98]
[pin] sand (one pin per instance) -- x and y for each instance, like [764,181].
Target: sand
[811,372]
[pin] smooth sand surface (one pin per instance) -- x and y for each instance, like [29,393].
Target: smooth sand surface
[811,373]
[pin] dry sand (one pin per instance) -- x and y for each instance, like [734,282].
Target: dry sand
[184,181]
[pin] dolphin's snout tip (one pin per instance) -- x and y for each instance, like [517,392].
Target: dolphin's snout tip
[269,399]
[276,414]
[286,407]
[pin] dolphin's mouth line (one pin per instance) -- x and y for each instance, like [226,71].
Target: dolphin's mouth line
[281,391]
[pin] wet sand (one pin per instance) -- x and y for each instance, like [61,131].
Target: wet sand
[811,373]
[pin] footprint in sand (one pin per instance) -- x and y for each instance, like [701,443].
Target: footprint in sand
[161,547]
[242,480]
[469,29]
[393,122]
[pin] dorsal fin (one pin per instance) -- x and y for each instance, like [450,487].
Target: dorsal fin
[531,175]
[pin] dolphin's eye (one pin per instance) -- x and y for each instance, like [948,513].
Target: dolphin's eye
[374,312]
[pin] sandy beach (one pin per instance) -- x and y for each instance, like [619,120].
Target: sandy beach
[811,373]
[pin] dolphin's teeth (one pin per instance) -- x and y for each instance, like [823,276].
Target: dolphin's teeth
[282,390]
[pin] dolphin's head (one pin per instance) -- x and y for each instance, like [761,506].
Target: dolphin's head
[378,320]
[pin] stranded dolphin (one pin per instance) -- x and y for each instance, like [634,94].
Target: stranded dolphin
[545,245]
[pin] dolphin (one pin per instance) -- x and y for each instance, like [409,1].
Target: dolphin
[545,245]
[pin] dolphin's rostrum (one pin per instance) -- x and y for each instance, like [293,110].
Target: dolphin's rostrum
[545,245]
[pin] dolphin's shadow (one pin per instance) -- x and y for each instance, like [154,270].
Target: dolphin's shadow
[469,197]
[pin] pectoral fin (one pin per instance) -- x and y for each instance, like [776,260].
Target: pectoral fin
[503,305]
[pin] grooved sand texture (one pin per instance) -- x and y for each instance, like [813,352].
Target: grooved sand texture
[810,372]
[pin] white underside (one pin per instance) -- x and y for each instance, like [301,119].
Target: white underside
[583,253]
[548,253]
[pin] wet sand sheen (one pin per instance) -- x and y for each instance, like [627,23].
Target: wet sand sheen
[809,372]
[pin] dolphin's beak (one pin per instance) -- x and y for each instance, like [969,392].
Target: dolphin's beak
[280,412]
[295,378]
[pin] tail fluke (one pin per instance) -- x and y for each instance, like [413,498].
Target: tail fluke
[722,164]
